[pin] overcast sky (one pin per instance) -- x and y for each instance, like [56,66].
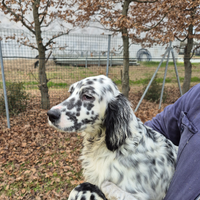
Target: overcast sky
[55,26]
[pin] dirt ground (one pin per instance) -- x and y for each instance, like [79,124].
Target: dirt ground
[38,162]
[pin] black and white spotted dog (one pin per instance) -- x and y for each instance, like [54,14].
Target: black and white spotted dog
[118,147]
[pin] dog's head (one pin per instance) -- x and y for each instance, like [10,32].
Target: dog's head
[94,103]
[84,110]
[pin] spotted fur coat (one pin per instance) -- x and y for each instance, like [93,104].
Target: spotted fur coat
[117,146]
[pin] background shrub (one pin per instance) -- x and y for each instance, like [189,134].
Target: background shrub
[154,91]
[17,99]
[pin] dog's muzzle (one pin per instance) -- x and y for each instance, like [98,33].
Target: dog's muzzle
[54,115]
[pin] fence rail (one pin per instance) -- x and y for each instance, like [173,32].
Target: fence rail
[74,57]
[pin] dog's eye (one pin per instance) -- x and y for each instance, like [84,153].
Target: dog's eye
[87,97]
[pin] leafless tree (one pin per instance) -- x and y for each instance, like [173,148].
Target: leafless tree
[35,16]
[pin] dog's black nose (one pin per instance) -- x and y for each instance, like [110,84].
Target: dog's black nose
[54,115]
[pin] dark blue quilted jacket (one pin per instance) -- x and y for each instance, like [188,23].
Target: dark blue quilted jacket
[180,122]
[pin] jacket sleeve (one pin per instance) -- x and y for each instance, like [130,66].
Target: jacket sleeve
[112,191]
[168,122]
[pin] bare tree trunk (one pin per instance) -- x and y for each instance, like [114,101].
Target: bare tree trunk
[187,63]
[125,38]
[45,102]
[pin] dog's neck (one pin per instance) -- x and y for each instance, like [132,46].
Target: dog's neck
[97,139]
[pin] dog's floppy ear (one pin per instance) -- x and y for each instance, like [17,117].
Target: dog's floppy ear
[117,116]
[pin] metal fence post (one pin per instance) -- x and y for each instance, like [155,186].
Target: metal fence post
[4,87]
[111,60]
[99,60]
[86,61]
[108,55]
[175,67]
[163,85]
[138,105]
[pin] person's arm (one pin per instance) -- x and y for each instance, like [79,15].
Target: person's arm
[168,122]
[111,191]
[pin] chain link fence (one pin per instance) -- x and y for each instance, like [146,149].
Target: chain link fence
[73,57]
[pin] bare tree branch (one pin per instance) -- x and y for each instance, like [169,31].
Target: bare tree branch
[180,39]
[62,47]
[105,29]
[46,24]
[48,57]
[18,17]
[29,45]
[23,18]
[156,24]
[59,35]
[194,51]
[34,77]
[45,11]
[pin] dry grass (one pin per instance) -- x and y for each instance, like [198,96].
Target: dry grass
[61,77]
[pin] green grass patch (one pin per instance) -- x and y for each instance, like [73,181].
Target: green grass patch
[158,80]
[195,79]
[31,83]
[28,83]
[143,81]
[60,85]
[34,84]
[83,74]
[156,63]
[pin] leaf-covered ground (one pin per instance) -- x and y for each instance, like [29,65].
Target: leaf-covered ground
[38,162]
